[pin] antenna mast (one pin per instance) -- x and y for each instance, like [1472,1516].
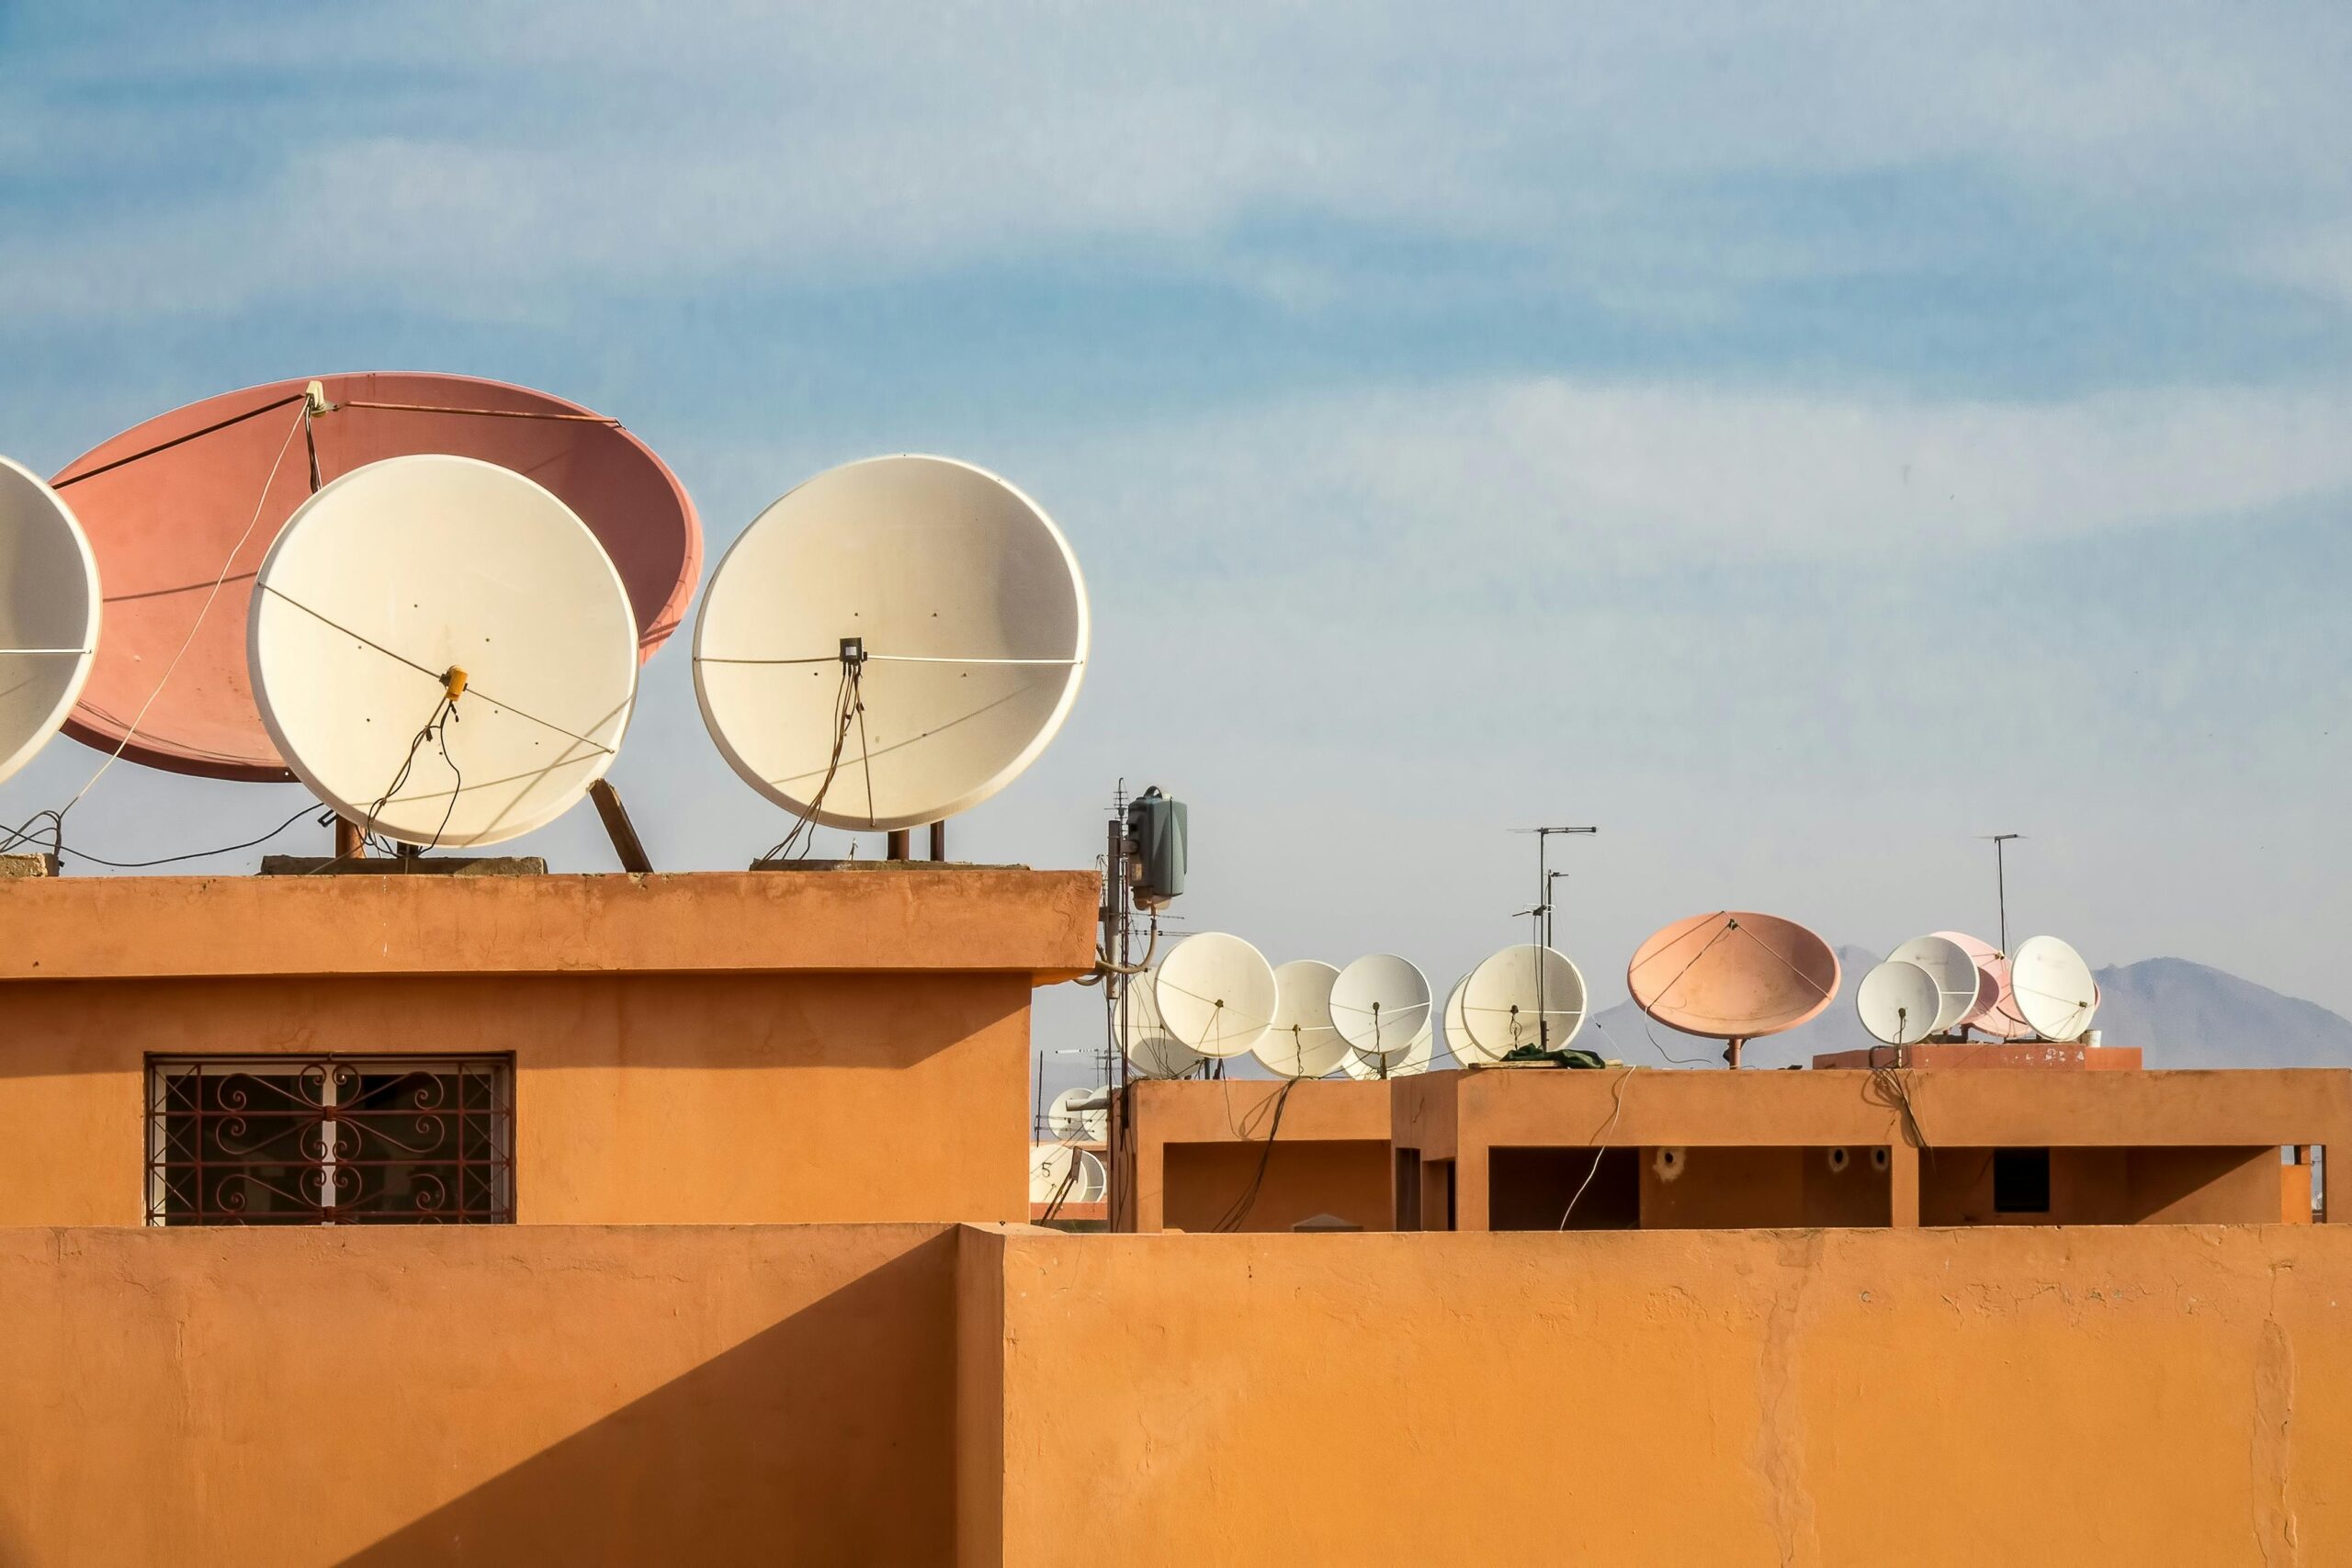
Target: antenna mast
[1542,915]
[2000,842]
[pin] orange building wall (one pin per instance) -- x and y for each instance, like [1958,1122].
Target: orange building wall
[525,1394]
[1194,1144]
[785,1046]
[2157,1394]
[654,1098]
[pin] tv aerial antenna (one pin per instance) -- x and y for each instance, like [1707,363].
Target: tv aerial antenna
[2000,842]
[1541,915]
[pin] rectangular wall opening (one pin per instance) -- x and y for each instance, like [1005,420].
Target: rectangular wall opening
[1538,1189]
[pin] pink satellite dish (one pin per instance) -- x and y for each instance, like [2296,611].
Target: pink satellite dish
[1733,976]
[1996,1011]
[197,496]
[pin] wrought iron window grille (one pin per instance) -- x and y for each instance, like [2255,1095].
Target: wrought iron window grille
[329,1140]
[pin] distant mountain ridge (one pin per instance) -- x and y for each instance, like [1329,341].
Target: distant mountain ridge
[2180,1013]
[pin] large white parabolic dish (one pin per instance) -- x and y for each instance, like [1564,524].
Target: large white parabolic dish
[1523,995]
[1302,1042]
[1381,1004]
[1216,993]
[1898,1002]
[402,571]
[2054,987]
[971,615]
[50,606]
[1954,971]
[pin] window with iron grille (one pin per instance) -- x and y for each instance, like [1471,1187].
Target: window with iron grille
[329,1140]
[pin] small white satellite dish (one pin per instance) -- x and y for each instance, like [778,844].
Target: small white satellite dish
[1381,1004]
[2054,987]
[50,606]
[1151,1051]
[1524,995]
[1417,1057]
[442,651]
[1302,1042]
[1071,1124]
[1072,1175]
[1216,993]
[1954,972]
[1093,1181]
[892,643]
[1898,1001]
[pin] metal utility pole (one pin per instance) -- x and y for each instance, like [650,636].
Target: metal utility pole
[1544,877]
[2000,842]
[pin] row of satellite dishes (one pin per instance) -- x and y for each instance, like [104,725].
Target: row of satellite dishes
[1733,976]
[1938,987]
[890,644]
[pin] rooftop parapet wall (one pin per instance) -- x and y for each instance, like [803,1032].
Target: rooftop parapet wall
[904,919]
[2160,1394]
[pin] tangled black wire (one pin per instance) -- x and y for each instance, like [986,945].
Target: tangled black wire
[849,702]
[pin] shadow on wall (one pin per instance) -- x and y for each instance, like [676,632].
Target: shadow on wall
[827,1438]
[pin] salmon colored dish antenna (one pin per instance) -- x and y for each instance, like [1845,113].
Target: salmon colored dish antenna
[1733,976]
[180,511]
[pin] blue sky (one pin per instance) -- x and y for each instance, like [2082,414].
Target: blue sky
[1797,446]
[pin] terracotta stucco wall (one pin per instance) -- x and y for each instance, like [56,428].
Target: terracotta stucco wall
[638,1099]
[525,1394]
[2147,1395]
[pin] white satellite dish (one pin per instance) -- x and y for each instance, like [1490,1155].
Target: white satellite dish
[1465,1050]
[50,606]
[442,651]
[2055,991]
[1073,1125]
[1954,971]
[1216,993]
[1381,1004]
[892,643]
[1302,1042]
[1417,1057]
[1151,1051]
[1898,1001]
[1523,995]
[1093,1181]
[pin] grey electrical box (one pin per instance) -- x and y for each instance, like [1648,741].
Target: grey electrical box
[1155,869]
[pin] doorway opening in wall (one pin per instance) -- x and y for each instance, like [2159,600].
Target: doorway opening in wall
[329,1140]
[2021,1181]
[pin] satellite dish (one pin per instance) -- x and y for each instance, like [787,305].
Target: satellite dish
[1980,953]
[1733,976]
[49,614]
[420,586]
[1151,1051]
[1216,993]
[2055,992]
[1093,1181]
[1381,1005]
[1050,1165]
[1465,1050]
[1417,1057]
[1522,996]
[197,496]
[1898,1002]
[1302,1042]
[892,643]
[1073,1125]
[1954,971]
